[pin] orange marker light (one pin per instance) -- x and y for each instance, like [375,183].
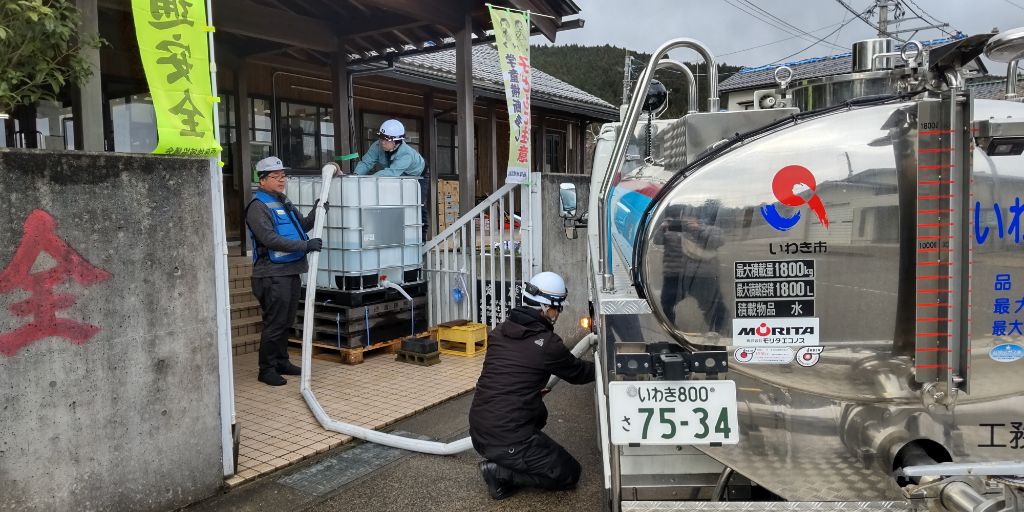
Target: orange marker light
[585,322]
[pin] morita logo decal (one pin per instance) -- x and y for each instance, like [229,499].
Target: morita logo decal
[765,330]
[773,332]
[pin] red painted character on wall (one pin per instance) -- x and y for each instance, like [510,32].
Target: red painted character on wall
[43,304]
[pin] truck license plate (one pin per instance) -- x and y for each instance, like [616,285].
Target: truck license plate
[673,412]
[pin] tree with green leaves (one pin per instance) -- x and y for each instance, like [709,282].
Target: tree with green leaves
[40,51]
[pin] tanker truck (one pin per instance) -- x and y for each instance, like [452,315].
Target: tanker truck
[817,304]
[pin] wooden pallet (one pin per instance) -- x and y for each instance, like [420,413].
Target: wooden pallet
[351,355]
[419,359]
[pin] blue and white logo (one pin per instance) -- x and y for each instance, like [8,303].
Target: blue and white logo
[1006,353]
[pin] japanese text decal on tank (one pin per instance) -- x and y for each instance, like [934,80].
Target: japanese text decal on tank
[782,186]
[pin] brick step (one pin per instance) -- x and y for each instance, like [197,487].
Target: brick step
[245,344]
[247,321]
[242,305]
[245,330]
[242,295]
[239,283]
[245,338]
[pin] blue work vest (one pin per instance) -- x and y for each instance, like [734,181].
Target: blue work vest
[286,225]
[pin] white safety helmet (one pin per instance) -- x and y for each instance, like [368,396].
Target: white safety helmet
[547,288]
[268,165]
[393,129]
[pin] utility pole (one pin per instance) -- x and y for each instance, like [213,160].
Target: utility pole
[883,17]
[627,78]
[892,27]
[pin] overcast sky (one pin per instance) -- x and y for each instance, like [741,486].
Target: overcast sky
[726,29]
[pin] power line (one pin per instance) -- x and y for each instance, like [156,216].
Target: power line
[867,20]
[840,27]
[776,41]
[767,21]
[843,24]
[776,18]
[911,4]
[1015,4]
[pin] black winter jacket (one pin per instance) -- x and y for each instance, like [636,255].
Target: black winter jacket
[522,354]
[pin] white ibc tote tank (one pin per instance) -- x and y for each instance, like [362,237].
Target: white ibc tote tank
[373,229]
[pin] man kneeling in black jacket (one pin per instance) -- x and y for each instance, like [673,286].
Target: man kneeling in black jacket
[508,412]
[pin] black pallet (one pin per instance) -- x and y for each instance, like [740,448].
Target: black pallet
[418,359]
[325,308]
[334,322]
[384,331]
[368,296]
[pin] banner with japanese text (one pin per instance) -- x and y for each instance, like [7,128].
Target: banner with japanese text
[512,35]
[173,43]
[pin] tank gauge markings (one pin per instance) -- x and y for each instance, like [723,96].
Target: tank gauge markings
[774,288]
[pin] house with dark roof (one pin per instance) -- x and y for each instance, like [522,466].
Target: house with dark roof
[737,91]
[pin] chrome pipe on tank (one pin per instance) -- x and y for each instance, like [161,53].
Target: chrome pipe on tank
[1011,80]
[691,81]
[630,119]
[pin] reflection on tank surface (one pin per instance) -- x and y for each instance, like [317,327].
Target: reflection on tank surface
[690,241]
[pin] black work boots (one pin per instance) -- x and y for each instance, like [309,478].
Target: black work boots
[272,378]
[496,486]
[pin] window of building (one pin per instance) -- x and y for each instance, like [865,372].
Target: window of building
[447,148]
[260,139]
[372,122]
[554,151]
[228,125]
[306,135]
[134,121]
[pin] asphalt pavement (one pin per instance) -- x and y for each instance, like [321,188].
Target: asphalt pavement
[366,477]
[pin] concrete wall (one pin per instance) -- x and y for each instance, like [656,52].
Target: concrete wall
[566,257]
[109,399]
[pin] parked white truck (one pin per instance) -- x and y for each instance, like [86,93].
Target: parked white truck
[817,305]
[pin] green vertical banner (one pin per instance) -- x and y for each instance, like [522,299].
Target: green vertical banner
[512,34]
[173,43]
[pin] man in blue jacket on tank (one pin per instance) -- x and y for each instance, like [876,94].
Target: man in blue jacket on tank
[390,155]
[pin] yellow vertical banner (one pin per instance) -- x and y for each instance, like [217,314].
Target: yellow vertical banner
[512,35]
[173,43]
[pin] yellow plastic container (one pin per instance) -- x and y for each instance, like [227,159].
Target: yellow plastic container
[462,340]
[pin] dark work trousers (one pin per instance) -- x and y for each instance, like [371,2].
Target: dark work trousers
[279,300]
[537,462]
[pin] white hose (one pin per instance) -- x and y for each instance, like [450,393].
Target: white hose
[577,351]
[405,443]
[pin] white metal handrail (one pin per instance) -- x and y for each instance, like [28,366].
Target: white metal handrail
[475,268]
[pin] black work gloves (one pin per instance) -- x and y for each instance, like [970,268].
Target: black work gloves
[314,244]
[317,202]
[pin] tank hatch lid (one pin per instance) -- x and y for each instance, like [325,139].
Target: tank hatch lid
[958,54]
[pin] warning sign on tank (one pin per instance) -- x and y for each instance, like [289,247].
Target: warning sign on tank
[774,289]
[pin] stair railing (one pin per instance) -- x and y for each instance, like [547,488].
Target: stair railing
[475,268]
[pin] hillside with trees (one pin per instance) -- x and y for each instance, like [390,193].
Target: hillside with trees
[598,70]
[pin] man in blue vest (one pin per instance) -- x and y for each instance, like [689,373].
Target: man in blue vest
[280,245]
